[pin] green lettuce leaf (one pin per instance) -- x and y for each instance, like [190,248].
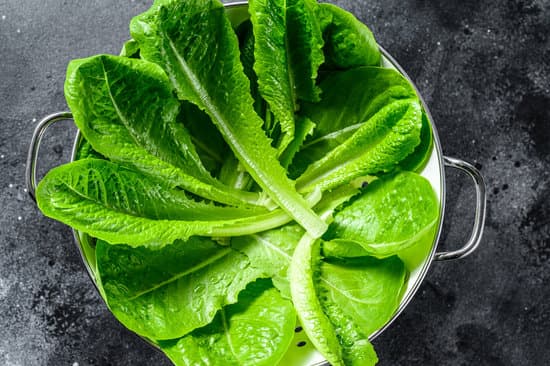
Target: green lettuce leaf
[359,296]
[367,122]
[304,267]
[349,100]
[116,204]
[340,303]
[359,95]
[288,52]
[353,97]
[130,49]
[246,46]
[125,109]
[416,254]
[392,214]
[348,42]
[255,331]
[376,147]
[151,295]
[195,44]
[416,161]
[232,172]
[128,272]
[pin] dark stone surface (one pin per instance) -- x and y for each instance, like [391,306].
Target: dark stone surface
[484,69]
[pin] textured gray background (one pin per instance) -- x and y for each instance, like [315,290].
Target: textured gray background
[484,69]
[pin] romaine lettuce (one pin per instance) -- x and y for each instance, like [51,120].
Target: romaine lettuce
[192,140]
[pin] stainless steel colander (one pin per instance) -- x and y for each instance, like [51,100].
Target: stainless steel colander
[301,351]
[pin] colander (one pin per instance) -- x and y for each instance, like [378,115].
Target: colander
[301,352]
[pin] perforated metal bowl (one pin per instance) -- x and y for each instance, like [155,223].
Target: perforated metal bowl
[301,352]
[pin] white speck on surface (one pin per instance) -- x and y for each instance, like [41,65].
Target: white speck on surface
[488,31]
[18,30]
[25,190]
[438,43]
[3,17]
[19,218]
[75,363]
[34,119]
[10,185]
[4,288]
[2,156]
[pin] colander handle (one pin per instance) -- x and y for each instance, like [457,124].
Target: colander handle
[32,156]
[479,218]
